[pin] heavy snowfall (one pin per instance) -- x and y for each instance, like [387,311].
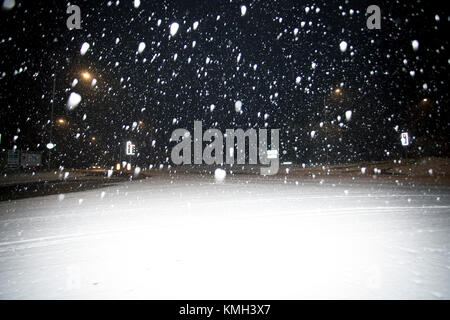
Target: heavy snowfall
[93,205]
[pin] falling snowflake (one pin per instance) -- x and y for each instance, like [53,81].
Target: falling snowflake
[84,48]
[174,28]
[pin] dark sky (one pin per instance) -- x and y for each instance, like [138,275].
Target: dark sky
[383,80]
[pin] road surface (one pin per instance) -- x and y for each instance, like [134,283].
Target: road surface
[186,236]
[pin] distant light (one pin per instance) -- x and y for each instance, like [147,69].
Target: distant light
[61,121]
[86,75]
[425,100]
[93,138]
[50,145]
[337,91]
[117,166]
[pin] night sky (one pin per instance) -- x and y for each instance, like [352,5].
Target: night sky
[280,74]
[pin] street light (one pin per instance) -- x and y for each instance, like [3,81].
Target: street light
[51,145]
[61,121]
[86,75]
[336,91]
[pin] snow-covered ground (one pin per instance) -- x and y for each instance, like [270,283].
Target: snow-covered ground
[248,237]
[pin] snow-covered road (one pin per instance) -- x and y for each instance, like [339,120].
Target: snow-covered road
[250,237]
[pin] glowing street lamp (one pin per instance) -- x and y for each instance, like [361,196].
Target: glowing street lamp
[61,121]
[86,76]
[336,91]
